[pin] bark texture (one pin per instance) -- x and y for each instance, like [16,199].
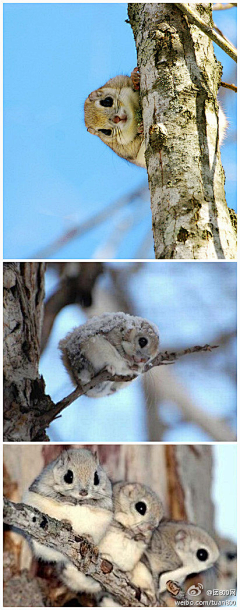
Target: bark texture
[179,81]
[77,549]
[23,386]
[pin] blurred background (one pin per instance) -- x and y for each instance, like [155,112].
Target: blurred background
[191,481]
[57,176]
[192,400]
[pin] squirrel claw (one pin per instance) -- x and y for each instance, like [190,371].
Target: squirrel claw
[135,76]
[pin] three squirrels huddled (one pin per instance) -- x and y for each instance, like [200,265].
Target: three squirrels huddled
[113,113]
[125,519]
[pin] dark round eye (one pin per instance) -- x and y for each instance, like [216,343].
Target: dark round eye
[96,478]
[107,102]
[68,477]
[142,341]
[107,132]
[141,508]
[231,556]
[202,554]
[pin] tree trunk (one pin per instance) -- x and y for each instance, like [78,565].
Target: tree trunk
[23,386]
[179,81]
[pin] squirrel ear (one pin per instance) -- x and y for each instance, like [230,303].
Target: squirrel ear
[91,130]
[63,457]
[180,537]
[117,488]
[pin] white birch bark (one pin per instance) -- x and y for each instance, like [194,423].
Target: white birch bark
[179,80]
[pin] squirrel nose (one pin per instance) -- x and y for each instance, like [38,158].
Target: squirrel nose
[117,119]
[83,492]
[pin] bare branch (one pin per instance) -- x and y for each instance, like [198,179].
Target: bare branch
[222,7]
[228,86]
[216,28]
[208,30]
[84,555]
[91,223]
[170,390]
[74,288]
[163,358]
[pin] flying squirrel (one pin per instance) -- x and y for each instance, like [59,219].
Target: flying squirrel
[137,511]
[118,342]
[176,550]
[73,488]
[113,113]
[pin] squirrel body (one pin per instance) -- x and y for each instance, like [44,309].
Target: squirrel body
[117,342]
[137,511]
[178,549]
[73,488]
[113,113]
[172,555]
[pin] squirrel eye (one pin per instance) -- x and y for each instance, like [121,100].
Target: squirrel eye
[141,508]
[96,478]
[107,132]
[230,556]
[202,554]
[142,341]
[107,102]
[68,477]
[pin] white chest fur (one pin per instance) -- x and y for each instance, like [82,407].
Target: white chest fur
[125,552]
[84,519]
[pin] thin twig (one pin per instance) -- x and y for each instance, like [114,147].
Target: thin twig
[208,30]
[216,28]
[228,86]
[91,223]
[162,359]
[222,7]
[80,552]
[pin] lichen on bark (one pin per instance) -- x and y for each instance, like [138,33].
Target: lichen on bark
[179,80]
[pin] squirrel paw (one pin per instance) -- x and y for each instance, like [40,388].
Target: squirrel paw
[135,76]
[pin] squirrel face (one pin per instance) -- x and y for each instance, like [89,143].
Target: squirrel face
[141,344]
[196,548]
[111,114]
[137,507]
[76,473]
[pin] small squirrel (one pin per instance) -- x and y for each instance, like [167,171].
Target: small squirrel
[178,549]
[117,342]
[137,511]
[113,113]
[73,488]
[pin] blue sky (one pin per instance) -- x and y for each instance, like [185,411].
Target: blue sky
[56,174]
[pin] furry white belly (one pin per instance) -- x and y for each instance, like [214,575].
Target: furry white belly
[123,551]
[84,519]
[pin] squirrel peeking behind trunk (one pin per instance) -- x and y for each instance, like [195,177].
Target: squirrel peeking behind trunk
[113,113]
